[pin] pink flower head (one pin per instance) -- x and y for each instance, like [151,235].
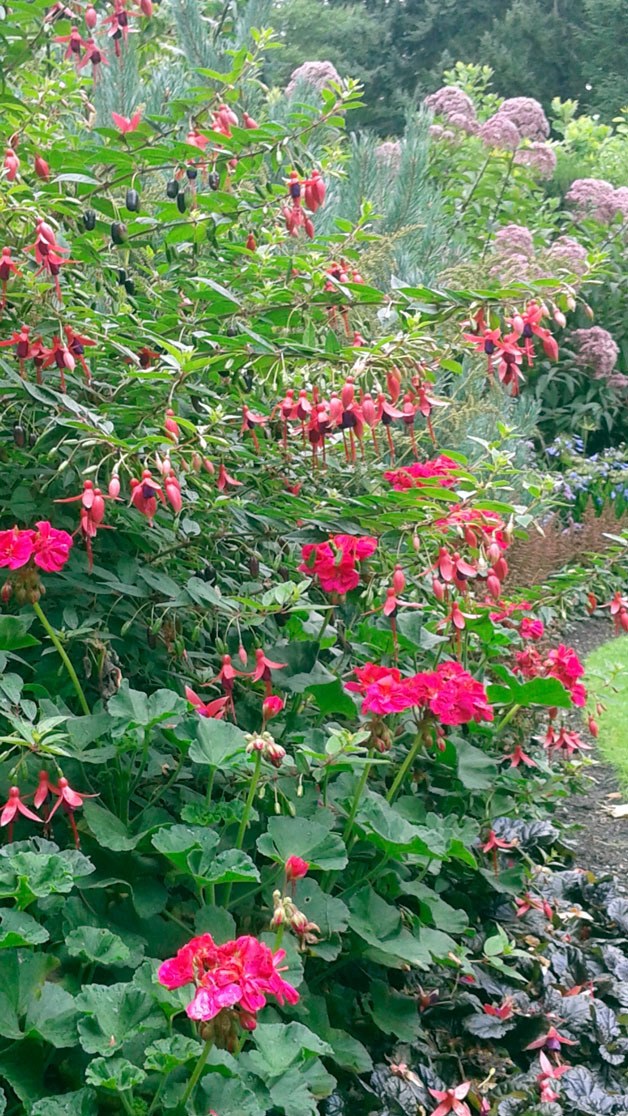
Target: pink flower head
[126,124]
[369,674]
[592,197]
[16,548]
[14,806]
[563,663]
[500,132]
[240,974]
[539,157]
[595,350]
[214,709]
[51,548]
[451,1100]
[527,115]
[460,698]
[296,868]
[334,562]
[531,629]
[414,476]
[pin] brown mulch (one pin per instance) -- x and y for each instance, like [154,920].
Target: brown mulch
[599,842]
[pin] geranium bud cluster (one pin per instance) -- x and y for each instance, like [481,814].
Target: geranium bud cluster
[266,746]
[287,914]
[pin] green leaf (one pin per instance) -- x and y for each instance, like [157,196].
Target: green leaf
[114,1074]
[166,1054]
[19,929]
[51,1017]
[215,921]
[230,1095]
[14,633]
[333,698]
[111,1014]
[98,945]
[217,742]
[280,1045]
[110,832]
[447,918]
[231,866]
[177,841]
[476,770]
[311,840]
[329,913]
[394,1013]
[81,1103]
[387,829]
[379,925]
[29,875]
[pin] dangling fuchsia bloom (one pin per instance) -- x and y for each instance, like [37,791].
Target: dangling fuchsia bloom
[144,495]
[11,164]
[8,267]
[528,325]
[334,562]
[75,45]
[92,514]
[126,124]
[12,807]
[94,55]
[549,1073]
[451,1100]
[263,667]
[552,1041]
[21,340]
[77,344]
[48,253]
[238,975]
[215,708]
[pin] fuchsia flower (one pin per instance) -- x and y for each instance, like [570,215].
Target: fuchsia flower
[215,708]
[493,843]
[548,1074]
[239,974]
[14,806]
[263,667]
[126,124]
[451,1100]
[550,1041]
[518,756]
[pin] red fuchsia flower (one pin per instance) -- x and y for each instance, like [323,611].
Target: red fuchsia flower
[240,974]
[505,1010]
[92,513]
[118,23]
[51,547]
[16,548]
[249,122]
[532,903]
[48,253]
[44,788]
[214,709]
[531,629]
[476,526]
[21,340]
[250,421]
[486,342]
[263,667]
[518,756]
[60,355]
[493,843]
[42,170]
[77,344]
[8,267]
[271,707]
[509,358]
[618,608]
[224,479]
[437,470]
[314,191]
[550,1041]
[75,43]
[14,806]
[564,740]
[11,164]
[451,1100]
[528,325]
[296,868]
[126,124]
[144,494]
[549,1073]
[94,55]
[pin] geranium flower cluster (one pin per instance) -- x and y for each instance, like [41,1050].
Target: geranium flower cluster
[437,471]
[449,692]
[237,975]
[335,563]
[561,663]
[44,545]
[510,349]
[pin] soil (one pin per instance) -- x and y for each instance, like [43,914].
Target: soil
[599,841]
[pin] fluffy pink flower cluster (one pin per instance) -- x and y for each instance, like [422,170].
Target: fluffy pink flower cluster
[561,663]
[334,562]
[514,240]
[438,470]
[500,132]
[239,974]
[46,546]
[527,116]
[455,106]
[449,692]
[318,74]
[595,349]
[388,154]
[539,157]
[596,198]
[569,254]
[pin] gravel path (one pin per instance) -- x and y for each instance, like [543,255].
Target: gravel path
[600,842]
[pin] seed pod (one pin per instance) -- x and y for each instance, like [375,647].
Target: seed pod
[254,565]
[118,232]
[213,180]
[172,189]
[191,173]
[129,286]
[151,639]
[121,276]
[89,219]
[132,201]
[19,437]
[181,202]
[32,439]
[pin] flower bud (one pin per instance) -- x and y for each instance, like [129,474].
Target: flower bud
[91,17]
[296,868]
[398,580]
[114,486]
[271,707]
[594,728]
[438,588]
[42,170]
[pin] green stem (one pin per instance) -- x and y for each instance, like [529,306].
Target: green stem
[248,806]
[471,192]
[406,765]
[62,653]
[506,719]
[198,1069]
[359,791]
[210,786]
[158,1093]
[126,1104]
[500,198]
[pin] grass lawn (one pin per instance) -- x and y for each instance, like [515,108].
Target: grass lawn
[607,681]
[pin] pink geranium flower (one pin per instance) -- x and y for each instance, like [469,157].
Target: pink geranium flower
[334,562]
[51,548]
[439,469]
[16,548]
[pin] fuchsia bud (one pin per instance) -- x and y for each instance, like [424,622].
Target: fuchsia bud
[550,347]
[42,170]
[309,228]
[11,164]
[91,17]
[114,486]
[438,588]
[398,580]
[170,426]
[173,493]
[560,318]
[146,7]
[248,121]
[251,243]
[594,728]
[494,586]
